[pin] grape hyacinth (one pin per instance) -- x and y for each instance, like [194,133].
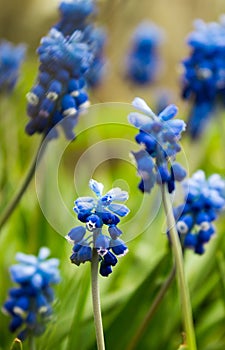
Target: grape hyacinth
[29,304]
[96,214]
[143,62]
[66,54]
[158,137]
[203,80]
[11,58]
[204,200]
[58,93]
[78,15]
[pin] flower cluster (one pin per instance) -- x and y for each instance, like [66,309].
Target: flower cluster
[59,91]
[158,136]
[97,213]
[29,305]
[203,81]
[66,54]
[11,58]
[142,64]
[204,199]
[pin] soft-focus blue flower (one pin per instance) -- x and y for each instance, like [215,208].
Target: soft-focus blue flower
[204,200]
[143,62]
[29,304]
[74,15]
[11,58]
[97,41]
[71,48]
[203,80]
[158,137]
[98,213]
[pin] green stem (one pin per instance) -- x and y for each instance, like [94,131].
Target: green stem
[31,342]
[17,197]
[96,301]
[141,330]
[179,262]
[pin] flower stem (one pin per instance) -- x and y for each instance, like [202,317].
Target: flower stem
[141,330]
[179,262]
[17,197]
[31,342]
[96,301]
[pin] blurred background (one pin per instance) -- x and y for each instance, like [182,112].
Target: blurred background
[39,217]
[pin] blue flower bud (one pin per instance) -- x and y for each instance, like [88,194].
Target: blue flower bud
[110,259]
[114,231]
[69,107]
[76,234]
[190,241]
[118,247]
[105,269]
[168,113]
[82,100]
[109,219]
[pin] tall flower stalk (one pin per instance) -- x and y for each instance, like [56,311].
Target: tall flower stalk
[59,94]
[159,136]
[91,243]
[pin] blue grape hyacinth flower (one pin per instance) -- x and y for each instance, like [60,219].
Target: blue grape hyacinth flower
[203,80]
[204,200]
[158,137]
[11,58]
[66,55]
[98,214]
[29,304]
[143,61]
[59,94]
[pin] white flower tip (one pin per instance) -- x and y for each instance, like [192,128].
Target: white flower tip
[96,187]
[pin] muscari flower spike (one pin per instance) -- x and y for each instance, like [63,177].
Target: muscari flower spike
[66,54]
[59,93]
[29,304]
[203,80]
[143,62]
[97,214]
[204,200]
[11,58]
[77,15]
[158,137]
